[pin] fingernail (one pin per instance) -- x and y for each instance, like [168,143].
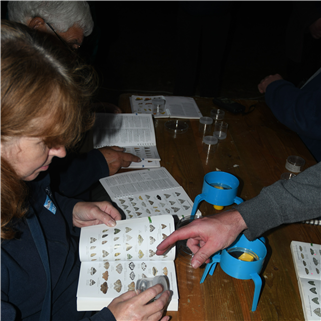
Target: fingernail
[112,223]
[195,264]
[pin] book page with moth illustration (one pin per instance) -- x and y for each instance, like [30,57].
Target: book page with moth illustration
[113,259]
[148,192]
[307,264]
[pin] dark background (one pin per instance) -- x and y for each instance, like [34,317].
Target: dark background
[137,46]
[138,51]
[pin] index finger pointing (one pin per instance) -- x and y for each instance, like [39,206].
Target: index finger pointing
[127,157]
[183,233]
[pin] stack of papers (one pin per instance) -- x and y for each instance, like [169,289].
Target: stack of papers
[175,107]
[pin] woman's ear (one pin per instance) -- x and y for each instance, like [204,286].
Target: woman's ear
[38,23]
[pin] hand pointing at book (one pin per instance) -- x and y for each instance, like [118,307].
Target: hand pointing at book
[206,235]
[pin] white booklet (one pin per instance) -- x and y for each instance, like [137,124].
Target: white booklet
[135,133]
[175,107]
[148,192]
[114,258]
[306,259]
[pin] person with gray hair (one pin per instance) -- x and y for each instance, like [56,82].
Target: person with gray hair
[69,20]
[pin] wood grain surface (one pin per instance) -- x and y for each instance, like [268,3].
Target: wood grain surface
[255,151]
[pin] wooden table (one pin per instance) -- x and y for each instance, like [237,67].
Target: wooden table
[255,151]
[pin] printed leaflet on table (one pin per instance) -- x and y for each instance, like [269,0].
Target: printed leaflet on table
[175,107]
[306,259]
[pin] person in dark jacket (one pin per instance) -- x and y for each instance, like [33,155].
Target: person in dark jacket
[297,108]
[44,100]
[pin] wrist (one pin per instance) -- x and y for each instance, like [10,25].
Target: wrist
[234,220]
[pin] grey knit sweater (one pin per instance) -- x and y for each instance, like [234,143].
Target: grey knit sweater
[286,201]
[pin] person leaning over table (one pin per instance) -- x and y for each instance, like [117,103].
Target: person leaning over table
[286,201]
[71,21]
[298,109]
[43,110]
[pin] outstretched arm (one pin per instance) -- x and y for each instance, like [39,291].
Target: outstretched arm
[289,201]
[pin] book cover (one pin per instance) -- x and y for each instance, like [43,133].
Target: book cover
[148,192]
[306,259]
[133,132]
[113,259]
[175,107]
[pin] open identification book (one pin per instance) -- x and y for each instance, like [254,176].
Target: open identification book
[148,192]
[134,132]
[114,258]
[306,259]
[175,107]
